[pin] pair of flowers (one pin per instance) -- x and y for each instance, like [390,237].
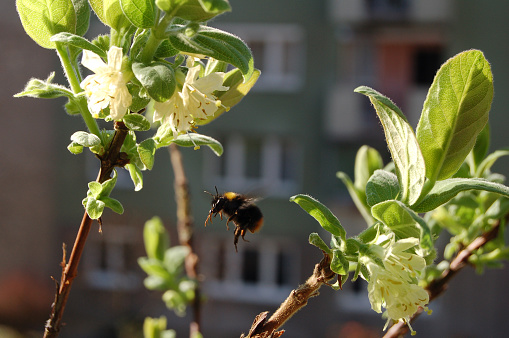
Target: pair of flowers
[107,87]
[392,282]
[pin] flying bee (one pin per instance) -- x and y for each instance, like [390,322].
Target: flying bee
[240,210]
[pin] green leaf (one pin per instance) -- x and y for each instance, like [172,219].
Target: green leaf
[113,204]
[174,258]
[454,113]
[217,44]
[316,240]
[358,197]
[95,189]
[481,147]
[156,238]
[93,207]
[42,19]
[141,13]
[154,267]
[45,89]
[367,161]
[147,150]
[395,216]
[236,92]
[321,213]
[158,79]
[382,186]
[194,10]
[75,148]
[136,122]
[110,13]
[215,6]
[402,144]
[136,176]
[445,190]
[109,184]
[78,41]
[85,139]
[82,16]
[339,263]
[489,161]
[197,140]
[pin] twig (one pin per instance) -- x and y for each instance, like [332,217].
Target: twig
[298,298]
[436,287]
[113,157]
[185,231]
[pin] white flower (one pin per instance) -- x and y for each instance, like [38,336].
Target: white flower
[394,285]
[194,102]
[107,87]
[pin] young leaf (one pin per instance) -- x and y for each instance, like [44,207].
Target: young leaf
[136,122]
[486,164]
[136,176]
[141,13]
[85,139]
[78,41]
[93,207]
[316,240]
[402,143]
[358,197]
[42,19]
[82,16]
[382,186]
[193,140]
[194,10]
[219,45]
[75,148]
[367,161]
[404,222]
[321,213]
[339,263]
[445,190]
[45,89]
[110,13]
[481,147]
[156,238]
[113,204]
[147,150]
[455,111]
[158,79]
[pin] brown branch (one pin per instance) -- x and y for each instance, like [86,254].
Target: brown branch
[185,231]
[438,286]
[298,298]
[112,158]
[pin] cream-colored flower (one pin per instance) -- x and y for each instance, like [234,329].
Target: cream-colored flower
[393,284]
[400,298]
[194,102]
[107,87]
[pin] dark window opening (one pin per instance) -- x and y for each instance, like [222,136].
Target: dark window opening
[250,273]
[427,61]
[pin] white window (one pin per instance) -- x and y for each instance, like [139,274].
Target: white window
[269,164]
[278,51]
[262,271]
[111,258]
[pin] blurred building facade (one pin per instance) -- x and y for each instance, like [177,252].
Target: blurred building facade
[300,125]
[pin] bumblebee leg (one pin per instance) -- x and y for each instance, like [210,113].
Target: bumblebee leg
[236,238]
[209,218]
[231,219]
[243,233]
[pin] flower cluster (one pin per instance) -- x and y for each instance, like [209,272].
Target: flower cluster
[193,102]
[393,284]
[107,87]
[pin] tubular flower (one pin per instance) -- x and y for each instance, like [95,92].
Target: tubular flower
[107,87]
[393,285]
[194,102]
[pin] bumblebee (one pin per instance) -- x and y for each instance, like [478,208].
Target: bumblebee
[240,210]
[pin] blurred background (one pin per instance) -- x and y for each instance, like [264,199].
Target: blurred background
[300,125]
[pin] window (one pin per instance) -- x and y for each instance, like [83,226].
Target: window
[267,163]
[278,51]
[110,260]
[426,62]
[264,270]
